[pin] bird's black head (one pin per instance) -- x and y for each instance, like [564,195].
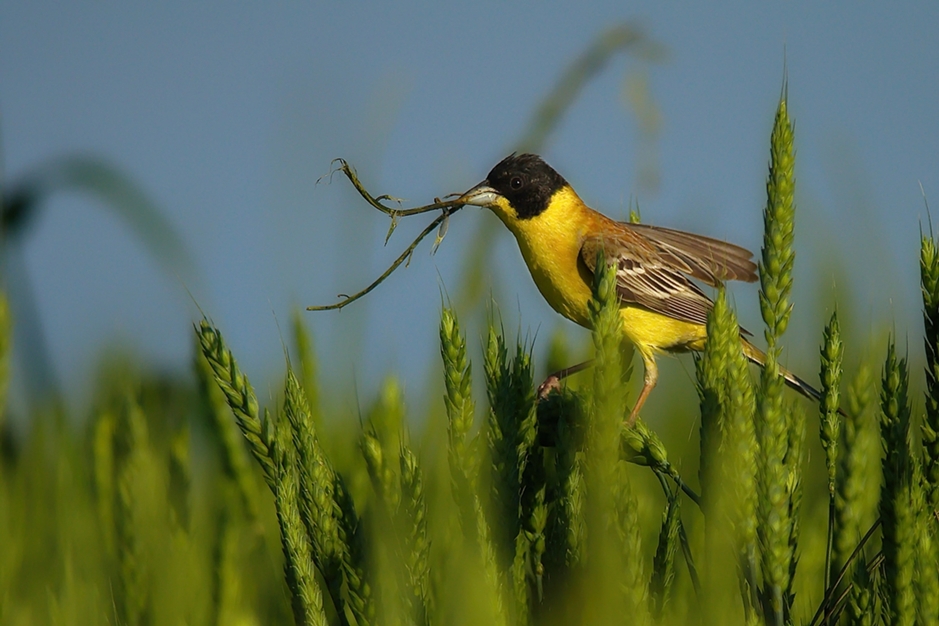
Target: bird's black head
[526,182]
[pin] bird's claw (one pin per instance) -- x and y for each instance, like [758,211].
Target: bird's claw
[551,384]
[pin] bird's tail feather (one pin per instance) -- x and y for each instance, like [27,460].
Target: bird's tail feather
[759,357]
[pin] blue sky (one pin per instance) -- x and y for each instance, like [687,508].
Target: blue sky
[227,115]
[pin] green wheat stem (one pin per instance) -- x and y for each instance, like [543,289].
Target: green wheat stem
[220,565]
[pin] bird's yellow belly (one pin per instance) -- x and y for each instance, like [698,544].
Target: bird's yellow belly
[655,332]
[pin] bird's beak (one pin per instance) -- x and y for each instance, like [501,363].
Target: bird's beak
[480,195]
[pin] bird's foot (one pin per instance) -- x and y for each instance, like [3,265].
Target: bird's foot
[631,421]
[551,384]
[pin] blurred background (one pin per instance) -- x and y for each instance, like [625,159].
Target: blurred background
[159,160]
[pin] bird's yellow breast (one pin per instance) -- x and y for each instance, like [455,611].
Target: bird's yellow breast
[550,243]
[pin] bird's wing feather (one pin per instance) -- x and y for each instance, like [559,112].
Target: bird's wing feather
[709,260]
[647,277]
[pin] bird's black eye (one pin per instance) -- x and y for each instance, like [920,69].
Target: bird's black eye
[516,182]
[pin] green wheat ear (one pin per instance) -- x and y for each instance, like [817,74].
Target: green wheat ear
[863,607]
[927,556]
[608,392]
[235,460]
[299,570]
[274,448]
[609,388]
[306,357]
[458,400]
[240,396]
[897,508]
[327,512]
[663,565]
[509,429]
[180,479]
[728,446]
[778,256]
[830,426]
[6,336]
[615,575]
[518,484]
[416,541]
[136,482]
[458,380]
[462,455]
[858,466]
[723,336]
[777,466]
[316,494]
[929,280]
[104,473]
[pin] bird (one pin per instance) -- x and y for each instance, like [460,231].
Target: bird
[663,309]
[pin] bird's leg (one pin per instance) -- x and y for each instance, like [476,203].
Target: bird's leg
[553,382]
[648,384]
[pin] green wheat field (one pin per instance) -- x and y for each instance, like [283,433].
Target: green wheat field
[202,501]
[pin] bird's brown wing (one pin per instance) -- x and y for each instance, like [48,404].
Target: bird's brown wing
[709,260]
[654,267]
